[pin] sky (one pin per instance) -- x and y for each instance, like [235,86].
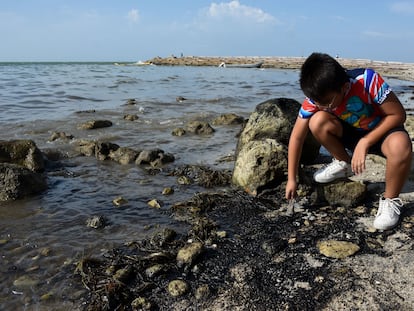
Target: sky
[138,30]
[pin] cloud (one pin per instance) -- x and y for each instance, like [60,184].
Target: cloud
[133,15]
[374,34]
[405,7]
[236,10]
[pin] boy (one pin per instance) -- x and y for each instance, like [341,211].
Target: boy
[354,110]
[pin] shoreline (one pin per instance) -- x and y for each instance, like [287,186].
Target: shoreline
[403,71]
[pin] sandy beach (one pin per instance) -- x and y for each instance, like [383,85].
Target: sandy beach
[404,71]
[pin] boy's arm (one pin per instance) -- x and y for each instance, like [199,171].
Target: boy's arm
[297,138]
[394,116]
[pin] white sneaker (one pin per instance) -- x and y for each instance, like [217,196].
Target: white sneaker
[388,214]
[334,170]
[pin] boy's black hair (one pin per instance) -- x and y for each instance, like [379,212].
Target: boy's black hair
[321,74]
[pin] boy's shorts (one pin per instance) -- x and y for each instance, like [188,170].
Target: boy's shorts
[352,135]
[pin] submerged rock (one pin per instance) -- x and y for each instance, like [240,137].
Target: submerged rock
[228,119]
[94,124]
[178,131]
[96,222]
[199,128]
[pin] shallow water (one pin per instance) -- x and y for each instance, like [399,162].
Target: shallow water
[42,237]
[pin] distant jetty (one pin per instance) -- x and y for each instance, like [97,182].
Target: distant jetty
[398,70]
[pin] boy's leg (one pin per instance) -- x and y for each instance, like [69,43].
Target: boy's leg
[328,130]
[397,149]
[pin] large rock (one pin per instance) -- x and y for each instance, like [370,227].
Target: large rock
[22,152]
[343,193]
[260,164]
[274,119]
[17,182]
[261,155]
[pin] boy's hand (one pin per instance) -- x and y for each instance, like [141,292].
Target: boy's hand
[291,188]
[359,156]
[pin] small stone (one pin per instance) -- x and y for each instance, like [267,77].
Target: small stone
[167,191]
[32,268]
[96,222]
[25,281]
[178,288]
[337,249]
[319,279]
[178,132]
[370,229]
[141,303]
[184,180]
[124,274]
[131,101]
[292,240]
[154,203]
[118,201]
[303,285]
[180,99]
[360,209]
[188,253]
[131,117]
[46,296]
[154,270]
[45,251]
[221,234]
[202,292]
[405,225]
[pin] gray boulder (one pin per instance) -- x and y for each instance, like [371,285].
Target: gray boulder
[261,154]
[274,119]
[259,164]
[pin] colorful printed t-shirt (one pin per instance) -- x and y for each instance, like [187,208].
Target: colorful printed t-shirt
[360,106]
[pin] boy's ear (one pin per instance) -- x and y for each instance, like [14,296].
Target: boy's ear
[346,87]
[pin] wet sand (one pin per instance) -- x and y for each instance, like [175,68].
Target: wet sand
[404,71]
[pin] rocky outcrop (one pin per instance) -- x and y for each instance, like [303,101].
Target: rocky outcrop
[21,167]
[399,70]
[22,152]
[123,155]
[261,155]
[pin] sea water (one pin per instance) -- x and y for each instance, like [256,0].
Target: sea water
[42,237]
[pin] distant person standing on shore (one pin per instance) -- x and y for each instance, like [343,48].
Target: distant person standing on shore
[352,113]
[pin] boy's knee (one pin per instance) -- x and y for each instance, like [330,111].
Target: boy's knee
[399,146]
[322,122]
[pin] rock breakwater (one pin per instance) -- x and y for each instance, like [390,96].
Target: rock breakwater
[400,70]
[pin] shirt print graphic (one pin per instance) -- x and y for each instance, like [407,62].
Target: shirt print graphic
[359,114]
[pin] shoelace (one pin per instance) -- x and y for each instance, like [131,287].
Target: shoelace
[333,166]
[394,205]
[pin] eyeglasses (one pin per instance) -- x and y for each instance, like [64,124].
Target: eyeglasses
[329,106]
